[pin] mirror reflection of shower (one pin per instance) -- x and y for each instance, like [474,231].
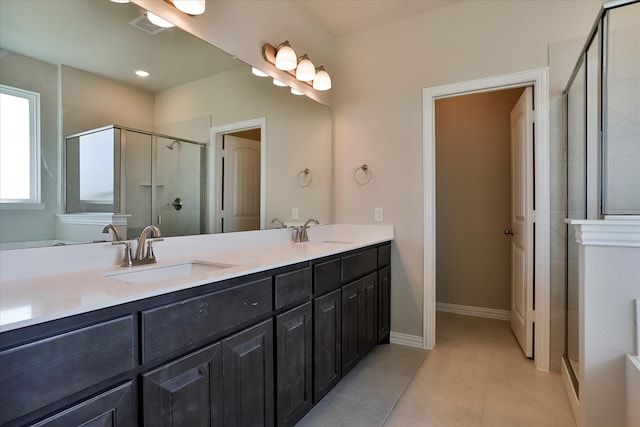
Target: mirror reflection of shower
[170,146]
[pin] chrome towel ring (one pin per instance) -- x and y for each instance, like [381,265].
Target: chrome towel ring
[363,177]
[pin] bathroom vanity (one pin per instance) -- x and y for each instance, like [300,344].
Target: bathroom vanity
[258,341]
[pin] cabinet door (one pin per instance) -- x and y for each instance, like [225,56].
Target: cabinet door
[384,305]
[113,408]
[350,329]
[368,314]
[294,362]
[187,392]
[248,377]
[327,337]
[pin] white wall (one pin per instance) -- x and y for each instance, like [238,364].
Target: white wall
[378,117]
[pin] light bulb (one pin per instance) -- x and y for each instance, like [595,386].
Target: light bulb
[322,80]
[306,71]
[191,7]
[286,58]
[160,22]
[258,73]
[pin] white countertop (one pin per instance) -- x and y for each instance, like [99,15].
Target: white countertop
[30,300]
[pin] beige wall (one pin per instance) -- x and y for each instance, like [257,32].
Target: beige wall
[41,77]
[473,199]
[299,134]
[378,113]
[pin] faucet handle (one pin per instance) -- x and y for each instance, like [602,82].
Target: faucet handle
[295,235]
[126,258]
[150,254]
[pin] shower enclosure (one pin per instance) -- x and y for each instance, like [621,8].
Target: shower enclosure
[602,113]
[148,177]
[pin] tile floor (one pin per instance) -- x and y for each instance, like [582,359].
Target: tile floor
[476,376]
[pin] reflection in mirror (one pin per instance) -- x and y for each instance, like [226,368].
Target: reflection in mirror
[85,79]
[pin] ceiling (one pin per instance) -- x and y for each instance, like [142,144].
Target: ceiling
[340,17]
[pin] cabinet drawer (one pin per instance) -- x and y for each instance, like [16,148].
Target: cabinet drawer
[326,276]
[40,373]
[171,327]
[292,287]
[384,255]
[359,264]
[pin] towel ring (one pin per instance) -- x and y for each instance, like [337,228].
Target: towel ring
[304,174]
[366,171]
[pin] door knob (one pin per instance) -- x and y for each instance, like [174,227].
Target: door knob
[508,232]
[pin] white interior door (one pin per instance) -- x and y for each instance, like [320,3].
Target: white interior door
[522,218]
[240,193]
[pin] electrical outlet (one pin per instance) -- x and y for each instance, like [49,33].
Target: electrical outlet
[379,214]
[294,213]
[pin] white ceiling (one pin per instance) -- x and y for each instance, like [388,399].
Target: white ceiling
[340,17]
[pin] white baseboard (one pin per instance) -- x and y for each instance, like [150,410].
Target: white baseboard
[405,339]
[468,310]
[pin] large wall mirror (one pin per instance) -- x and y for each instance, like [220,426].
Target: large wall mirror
[80,56]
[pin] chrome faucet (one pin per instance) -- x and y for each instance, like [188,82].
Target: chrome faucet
[116,233]
[148,257]
[279,221]
[150,234]
[303,236]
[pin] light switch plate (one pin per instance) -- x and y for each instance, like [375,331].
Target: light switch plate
[294,213]
[379,214]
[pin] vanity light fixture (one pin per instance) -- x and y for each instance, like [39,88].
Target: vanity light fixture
[258,73]
[190,7]
[120,1]
[286,58]
[283,58]
[322,81]
[306,71]
[296,91]
[278,83]
[160,22]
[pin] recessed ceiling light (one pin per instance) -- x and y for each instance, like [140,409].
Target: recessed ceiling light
[142,73]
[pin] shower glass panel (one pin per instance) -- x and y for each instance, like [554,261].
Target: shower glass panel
[576,208]
[179,201]
[602,107]
[137,180]
[621,142]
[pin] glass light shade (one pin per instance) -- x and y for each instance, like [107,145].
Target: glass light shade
[160,22]
[278,83]
[306,71]
[322,80]
[258,73]
[120,1]
[191,7]
[286,58]
[296,92]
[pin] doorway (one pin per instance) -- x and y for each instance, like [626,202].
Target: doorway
[538,79]
[237,176]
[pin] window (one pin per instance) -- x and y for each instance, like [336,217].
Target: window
[19,146]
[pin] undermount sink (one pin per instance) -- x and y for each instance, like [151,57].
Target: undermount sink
[326,242]
[169,272]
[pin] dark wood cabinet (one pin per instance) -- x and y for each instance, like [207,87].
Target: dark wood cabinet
[113,408]
[187,392]
[384,305]
[327,339]
[256,350]
[368,314]
[247,360]
[359,319]
[294,362]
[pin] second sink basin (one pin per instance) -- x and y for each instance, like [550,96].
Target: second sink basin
[169,272]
